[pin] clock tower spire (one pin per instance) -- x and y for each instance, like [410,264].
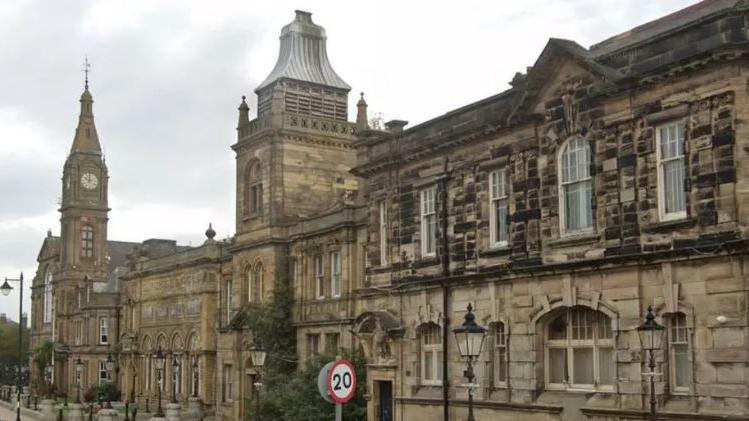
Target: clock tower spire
[84,208]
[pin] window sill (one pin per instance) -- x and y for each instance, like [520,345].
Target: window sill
[576,239]
[669,225]
[251,216]
[426,261]
[496,251]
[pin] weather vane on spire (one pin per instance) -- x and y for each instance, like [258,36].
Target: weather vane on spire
[86,68]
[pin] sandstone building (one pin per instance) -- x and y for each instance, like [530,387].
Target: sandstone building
[605,180]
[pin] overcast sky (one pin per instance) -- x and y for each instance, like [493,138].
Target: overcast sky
[167,77]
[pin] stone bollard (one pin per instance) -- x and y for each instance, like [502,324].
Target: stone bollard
[47,409]
[106,415]
[172,411]
[76,412]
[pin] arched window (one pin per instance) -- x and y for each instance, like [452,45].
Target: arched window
[499,357]
[680,369]
[575,185]
[48,297]
[253,191]
[431,354]
[579,350]
[255,278]
[87,241]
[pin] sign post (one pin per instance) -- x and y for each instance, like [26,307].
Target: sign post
[340,384]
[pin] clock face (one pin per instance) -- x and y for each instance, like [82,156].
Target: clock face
[89,181]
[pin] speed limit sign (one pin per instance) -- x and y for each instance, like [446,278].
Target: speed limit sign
[341,381]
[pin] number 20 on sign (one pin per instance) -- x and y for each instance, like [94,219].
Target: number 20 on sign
[341,382]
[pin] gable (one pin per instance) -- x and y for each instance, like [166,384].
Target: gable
[562,67]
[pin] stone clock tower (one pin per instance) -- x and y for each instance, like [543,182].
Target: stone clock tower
[84,206]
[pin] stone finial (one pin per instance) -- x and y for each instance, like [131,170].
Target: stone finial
[361,114]
[210,233]
[244,113]
[395,126]
[49,232]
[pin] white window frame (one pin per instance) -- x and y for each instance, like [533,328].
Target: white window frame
[431,343]
[501,360]
[103,373]
[566,181]
[428,213]
[103,331]
[319,276]
[383,213]
[596,342]
[335,274]
[679,128]
[498,198]
[678,335]
[48,297]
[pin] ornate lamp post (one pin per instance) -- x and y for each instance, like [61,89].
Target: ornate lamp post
[78,372]
[651,340]
[175,377]
[110,368]
[158,359]
[258,354]
[5,289]
[470,338]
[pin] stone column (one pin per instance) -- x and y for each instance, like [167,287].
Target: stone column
[106,415]
[47,409]
[172,411]
[76,412]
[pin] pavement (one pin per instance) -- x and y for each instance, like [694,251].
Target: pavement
[8,415]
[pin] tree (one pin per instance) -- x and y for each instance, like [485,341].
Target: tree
[42,359]
[290,392]
[9,350]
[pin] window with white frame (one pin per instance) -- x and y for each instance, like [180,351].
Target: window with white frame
[319,273]
[226,392]
[500,354]
[679,360]
[103,373]
[383,232]
[335,274]
[498,200]
[579,350]
[672,202]
[576,185]
[87,241]
[428,222]
[431,354]
[48,297]
[103,331]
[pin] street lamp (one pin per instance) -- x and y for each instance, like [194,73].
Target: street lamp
[175,377]
[78,372]
[258,354]
[470,338]
[5,289]
[651,339]
[158,358]
[110,368]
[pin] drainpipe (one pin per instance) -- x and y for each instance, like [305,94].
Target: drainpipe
[445,291]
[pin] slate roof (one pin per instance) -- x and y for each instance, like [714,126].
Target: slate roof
[303,55]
